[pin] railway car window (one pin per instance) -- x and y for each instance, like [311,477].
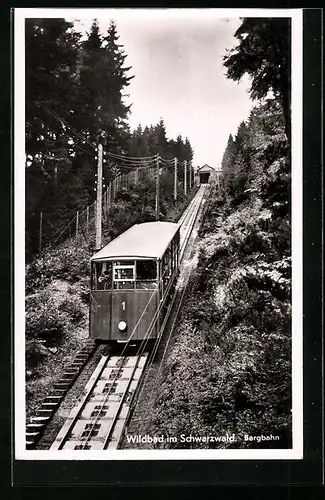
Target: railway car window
[167,265]
[93,276]
[124,275]
[146,274]
[104,276]
[123,263]
[123,285]
[146,270]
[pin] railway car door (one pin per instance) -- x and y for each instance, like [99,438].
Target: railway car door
[123,313]
[100,312]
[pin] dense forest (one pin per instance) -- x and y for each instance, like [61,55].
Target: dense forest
[229,368]
[75,99]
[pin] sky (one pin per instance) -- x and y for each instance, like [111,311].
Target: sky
[176,61]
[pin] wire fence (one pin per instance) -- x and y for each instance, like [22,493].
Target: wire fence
[83,223]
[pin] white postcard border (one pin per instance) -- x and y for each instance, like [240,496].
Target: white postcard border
[19,241]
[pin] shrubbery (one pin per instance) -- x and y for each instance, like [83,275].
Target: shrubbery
[230,367]
[73,307]
[35,353]
[44,319]
[67,262]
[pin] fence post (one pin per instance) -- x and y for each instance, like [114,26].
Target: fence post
[87,219]
[110,193]
[77,223]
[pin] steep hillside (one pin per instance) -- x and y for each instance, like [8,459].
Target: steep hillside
[229,371]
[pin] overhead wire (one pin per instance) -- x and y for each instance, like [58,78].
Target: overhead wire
[132,158]
[66,124]
[168,160]
[133,167]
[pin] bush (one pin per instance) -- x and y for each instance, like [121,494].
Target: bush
[35,353]
[74,308]
[43,318]
[66,263]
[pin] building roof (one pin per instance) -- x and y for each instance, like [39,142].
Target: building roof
[205,167]
[142,241]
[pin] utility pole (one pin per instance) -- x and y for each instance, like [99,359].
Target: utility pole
[157,186]
[190,174]
[185,177]
[175,178]
[99,197]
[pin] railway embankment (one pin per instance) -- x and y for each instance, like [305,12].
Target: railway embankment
[57,295]
[229,370]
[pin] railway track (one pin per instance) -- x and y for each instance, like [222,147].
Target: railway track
[139,416]
[98,421]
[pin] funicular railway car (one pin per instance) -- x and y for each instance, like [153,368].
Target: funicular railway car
[132,282]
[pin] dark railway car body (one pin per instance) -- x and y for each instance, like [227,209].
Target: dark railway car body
[132,279]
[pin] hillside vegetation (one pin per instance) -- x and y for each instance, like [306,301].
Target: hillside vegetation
[229,370]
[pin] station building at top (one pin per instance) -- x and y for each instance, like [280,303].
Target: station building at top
[206,175]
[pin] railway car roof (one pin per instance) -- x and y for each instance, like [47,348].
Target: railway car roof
[142,241]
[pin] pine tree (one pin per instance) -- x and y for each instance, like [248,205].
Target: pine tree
[116,127]
[73,100]
[179,148]
[137,143]
[264,53]
[51,64]
[188,150]
[160,138]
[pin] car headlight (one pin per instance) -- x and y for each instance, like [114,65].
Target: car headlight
[122,326]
